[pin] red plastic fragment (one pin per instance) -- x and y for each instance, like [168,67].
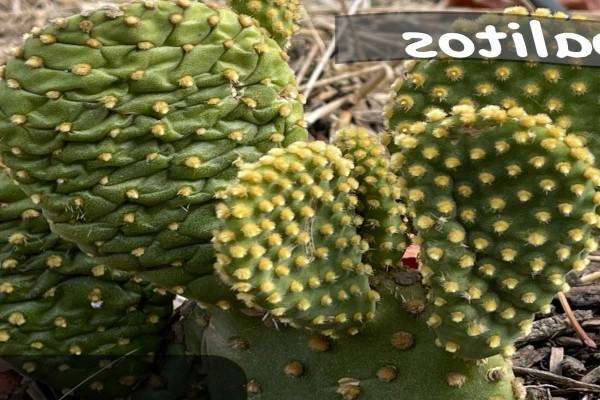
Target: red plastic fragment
[410,259]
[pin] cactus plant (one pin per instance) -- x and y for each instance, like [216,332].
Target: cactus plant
[379,193]
[63,315]
[124,127]
[504,204]
[122,124]
[387,360]
[567,93]
[277,17]
[434,88]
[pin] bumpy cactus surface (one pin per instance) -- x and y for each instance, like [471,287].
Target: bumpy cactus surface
[394,357]
[123,127]
[504,205]
[290,243]
[558,196]
[277,17]
[60,311]
[122,123]
[567,93]
[379,191]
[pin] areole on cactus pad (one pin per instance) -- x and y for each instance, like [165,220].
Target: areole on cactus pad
[122,123]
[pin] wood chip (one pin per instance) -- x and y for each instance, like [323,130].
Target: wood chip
[561,381]
[573,367]
[592,377]
[554,326]
[584,296]
[557,355]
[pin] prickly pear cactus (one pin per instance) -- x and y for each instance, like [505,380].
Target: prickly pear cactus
[63,316]
[567,93]
[504,204]
[379,194]
[122,123]
[385,361]
[277,17]
[290,244]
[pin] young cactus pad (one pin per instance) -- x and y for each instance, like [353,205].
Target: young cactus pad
[278,17]
[393,358]
[379,191]
[122,123]
[60,311]
[290,245]
[504,205]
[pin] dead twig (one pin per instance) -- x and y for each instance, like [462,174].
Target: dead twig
[557,379]
[325,59]
[314,33]
[373,83]
[574,323]
[344,76]
[591,377]
[326,109]
[591,277]
[557,356]
[553,326]
[584,296]
[306,64]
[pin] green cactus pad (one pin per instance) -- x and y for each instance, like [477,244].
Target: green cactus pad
[122,124]
[567,93]
[379,193]
[278,17]
[290,244]
[504,205]
[393,358]
[60,311]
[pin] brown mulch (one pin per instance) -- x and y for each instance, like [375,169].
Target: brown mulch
[553,360]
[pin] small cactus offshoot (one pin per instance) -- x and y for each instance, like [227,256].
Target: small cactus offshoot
[290,244]
[379,191]
[278,18]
